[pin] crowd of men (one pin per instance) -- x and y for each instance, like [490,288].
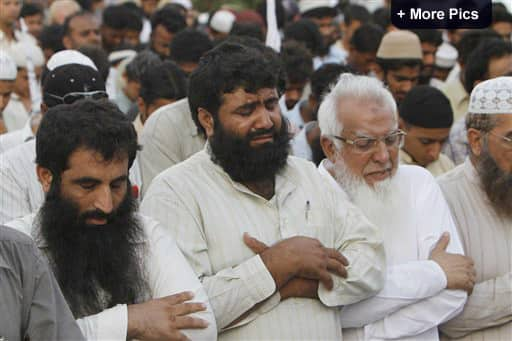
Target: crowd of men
[298,170]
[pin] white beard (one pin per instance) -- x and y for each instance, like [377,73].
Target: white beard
[377,202]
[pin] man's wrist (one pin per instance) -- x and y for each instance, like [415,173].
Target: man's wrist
[134,327]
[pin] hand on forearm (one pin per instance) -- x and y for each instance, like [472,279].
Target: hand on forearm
[299,287]
[299,257]
[163,318]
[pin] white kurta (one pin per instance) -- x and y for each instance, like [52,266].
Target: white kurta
[168,273]
[15,115]
[487,238]
[208,213]
[414,300]
[20,190]
[17,137]
[169,137]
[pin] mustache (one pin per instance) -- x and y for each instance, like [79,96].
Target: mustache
[97,214]
[261,132]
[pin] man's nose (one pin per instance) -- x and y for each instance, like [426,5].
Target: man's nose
[381,153]
[104,200]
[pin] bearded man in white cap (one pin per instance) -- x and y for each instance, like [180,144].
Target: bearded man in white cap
[479,193]
[427,275]
[7,77]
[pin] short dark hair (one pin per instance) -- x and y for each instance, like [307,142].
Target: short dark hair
[30,9]
[190,45]
[367,38]
[123,16]
[227,67]
[297,62]
[470,41]
[170,18]
[96,125]
[65,26]
[140,63]
[397,64]
[306,32]
[320,12]
[99,57]
[382,17]
[356,12]
[51,38]
[500,14]
[164,80]
[477,67]
[324,76]
[430,36]
[249,29]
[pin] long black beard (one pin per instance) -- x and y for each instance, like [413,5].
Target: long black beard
[496,184]
[97,267]
[244,163]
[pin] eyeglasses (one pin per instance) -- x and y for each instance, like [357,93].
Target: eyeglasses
[365,144]
[507,140]
[75,96]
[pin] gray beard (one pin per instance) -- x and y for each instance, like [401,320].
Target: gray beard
[496,183]
[375,201]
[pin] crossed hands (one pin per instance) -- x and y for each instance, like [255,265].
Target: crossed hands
[299,264]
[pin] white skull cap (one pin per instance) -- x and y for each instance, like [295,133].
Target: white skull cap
[69,57]
[493,96]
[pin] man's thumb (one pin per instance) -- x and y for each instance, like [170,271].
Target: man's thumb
[255,245]
[443,242]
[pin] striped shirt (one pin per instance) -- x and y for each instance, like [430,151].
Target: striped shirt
[487,239]
[208,213]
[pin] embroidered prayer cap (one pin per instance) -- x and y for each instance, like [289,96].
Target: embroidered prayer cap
[446,56]
[8,69]
[400,44]
[493,96]
[69,57]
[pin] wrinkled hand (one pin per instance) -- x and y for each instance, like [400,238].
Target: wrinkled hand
[163,318]
[459,270]
[308,256]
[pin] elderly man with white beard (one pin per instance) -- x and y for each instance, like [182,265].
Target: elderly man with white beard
[479,193]
[428,276]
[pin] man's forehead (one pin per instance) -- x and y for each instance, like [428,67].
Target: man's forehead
[406,71]
[244,95]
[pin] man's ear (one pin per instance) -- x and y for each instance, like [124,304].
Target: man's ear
[475,140]
[142,107]
[379,72]
[401,124]
[206,121]
[329,148]
[45,177]
[66,42]
[44,108]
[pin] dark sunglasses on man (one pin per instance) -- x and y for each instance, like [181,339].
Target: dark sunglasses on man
[75,96]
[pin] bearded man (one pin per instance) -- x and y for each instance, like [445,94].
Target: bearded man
[427,273]
[121,275]
[287,284]
[479,193]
